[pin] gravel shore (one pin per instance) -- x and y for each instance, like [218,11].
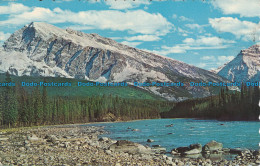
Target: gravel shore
[80,145]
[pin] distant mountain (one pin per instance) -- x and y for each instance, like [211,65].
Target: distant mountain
[245,67]
[41,49]
[218,69]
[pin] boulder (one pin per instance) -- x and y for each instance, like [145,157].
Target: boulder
[180,150]
[196,146]
[214,157]
[235,151]
[226,150]
[135,130]
[129,147]
[108,152]
[194,149]
[150,140]
[103,139]
[51,138]
[33,138]
[193,156]
[256,152]
[159,150]
[239,151]
[4,139]
[173,152]
[213,146]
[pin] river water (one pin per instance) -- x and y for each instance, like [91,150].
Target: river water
[233,134]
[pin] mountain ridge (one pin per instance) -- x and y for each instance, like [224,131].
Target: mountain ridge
[50,51]
[244,67]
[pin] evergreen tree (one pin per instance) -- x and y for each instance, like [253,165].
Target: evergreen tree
[10,111]
[37,106]
[45,103]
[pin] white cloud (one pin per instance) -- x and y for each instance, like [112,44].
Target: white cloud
[245,8]
[143,38]
[202,65]
[79,27]
[208,58]
[13,8]
[183,48]
[4,36]
[201,43]
[126,4]
[214,60]
[131,44]
[245,29]
[116,38]
[207,41]
[174,16]
[223,59]
[183,32]
[181,18]
[198,27]
[147,23]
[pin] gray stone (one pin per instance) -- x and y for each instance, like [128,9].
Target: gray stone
[169,158]
[103,139]
[256,153]
[180,150]
[135,130]
[108,152]
[4,139]
[173,152]
[226,150]
[130,147]
[33,138]
[150,140]
[236,151]
[22,149]
[168,162]
[194,149]
[159,150]
[213,146]
[180,163]
[51,138]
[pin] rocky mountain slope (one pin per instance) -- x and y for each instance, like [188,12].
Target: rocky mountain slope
[41,49]
[245,67]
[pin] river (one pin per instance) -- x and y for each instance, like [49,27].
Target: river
[233,134]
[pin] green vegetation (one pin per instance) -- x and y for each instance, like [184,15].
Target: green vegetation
[30,106]
[228,105]
[74,90]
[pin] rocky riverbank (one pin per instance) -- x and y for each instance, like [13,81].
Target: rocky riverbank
[80,145]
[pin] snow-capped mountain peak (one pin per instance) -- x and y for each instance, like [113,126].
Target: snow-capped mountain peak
[51,51]
[245,67]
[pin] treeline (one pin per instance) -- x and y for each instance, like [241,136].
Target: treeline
[228,105]
[19,107]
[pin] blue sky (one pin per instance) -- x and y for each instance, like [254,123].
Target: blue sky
[201,33]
